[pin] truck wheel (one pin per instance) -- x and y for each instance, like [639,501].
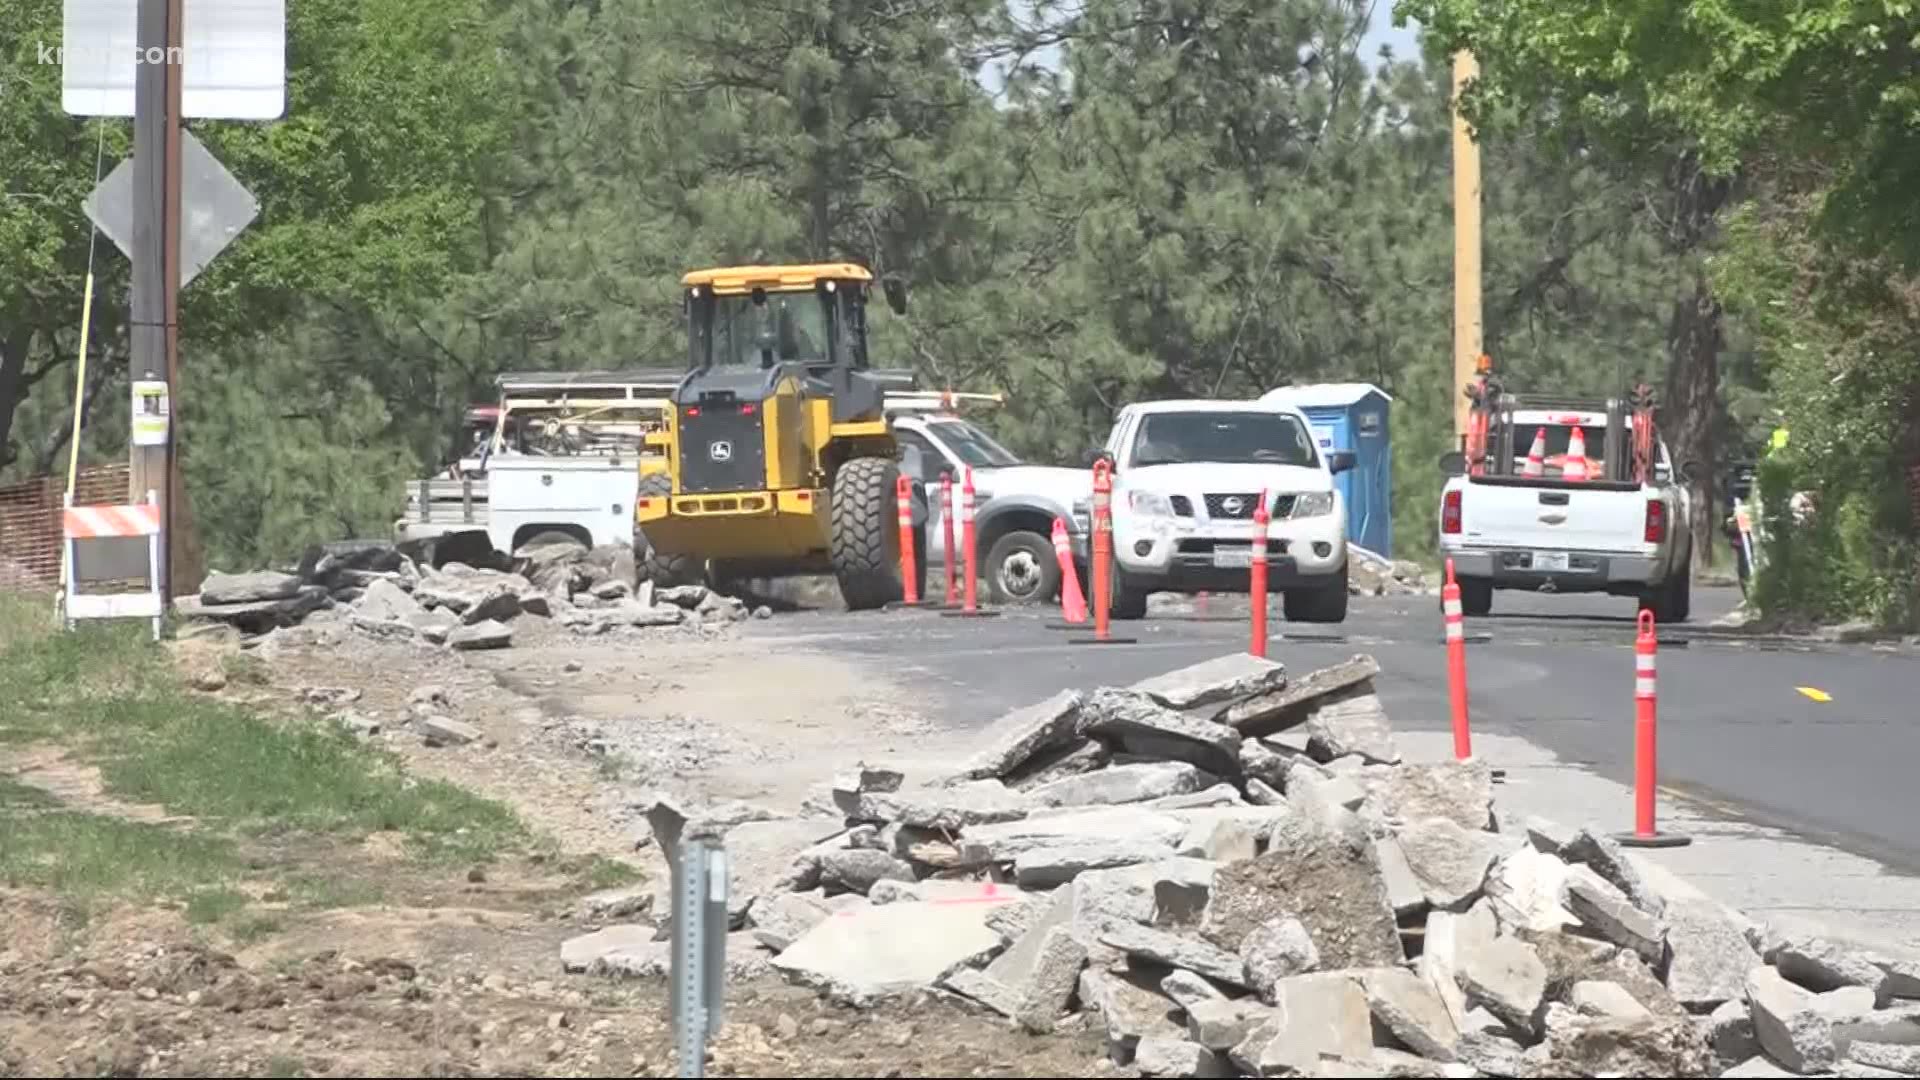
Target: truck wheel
[1129,600]
[1476,596]
[662,569]
[1673,601]
[1022,569]
[865,542]
[1326,604]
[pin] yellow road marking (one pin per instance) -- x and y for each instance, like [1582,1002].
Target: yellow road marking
[1814,693]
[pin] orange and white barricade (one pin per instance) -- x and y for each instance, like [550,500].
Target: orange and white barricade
[84,523]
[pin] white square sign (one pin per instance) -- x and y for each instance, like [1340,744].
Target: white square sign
[234,55]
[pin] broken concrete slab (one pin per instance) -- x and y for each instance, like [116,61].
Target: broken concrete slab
[1606,999]
[1409,1007]
[1448,861]
[1277,949]
[1021,734]
[1219,795]
[974,983]
[1012,920]
[1547,835]
[1899,1025]
[943,808]
[1045,867]
[1049,985]
[1123,784]
[1221,1024]
[1460,791]
[1059,762]
[1790,1022]
[1606,1046]
[782,918]
[1903,974]
[1129,1006]
[1318,1016]
[1262,794]
[1404,892]
[1606,911]
[1507,977]
[1004,841]
[250,588]
[484,634]
[618,903]
[1260,760]
[1277,710]
[1524,888]
[1758,1068]
[1176,1057]
[1729,1031]
[863,955]
[1709,955]
[1216,681]
[1493,1054]
[1221,840]
[1175,951]
[1820,964]
[1610,861]
[1329,881]
[1132,894]
[1352,724]
[1898,1058]
[760,853]
[1187,989]
[387,602]
[861,778]
[745,959]
[1142,726]
[441,731]
[856,869]
[581,953]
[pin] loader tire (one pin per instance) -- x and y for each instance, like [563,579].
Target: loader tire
[865,542]
[662,569]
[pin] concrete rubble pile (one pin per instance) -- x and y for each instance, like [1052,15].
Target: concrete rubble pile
[1370,574]
[383,592]
[1232,873]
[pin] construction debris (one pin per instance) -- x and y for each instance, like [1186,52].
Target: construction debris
[384,593]
[1223,901]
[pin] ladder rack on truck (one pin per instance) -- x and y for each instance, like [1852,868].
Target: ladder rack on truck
[1629,426]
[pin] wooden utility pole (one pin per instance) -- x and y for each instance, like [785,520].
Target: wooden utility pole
[1467,340]
[156,257]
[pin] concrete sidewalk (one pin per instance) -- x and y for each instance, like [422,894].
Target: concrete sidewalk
[1772,875]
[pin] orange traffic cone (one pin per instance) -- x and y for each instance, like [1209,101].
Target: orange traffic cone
[1537,456]
[1576,460]
[1073,605]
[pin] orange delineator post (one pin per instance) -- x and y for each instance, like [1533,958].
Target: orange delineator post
[1646,769]
[968,538]
[903,497]
[946,519]
[1257,574]
[1073,606]
[1456,665]
[1102,546]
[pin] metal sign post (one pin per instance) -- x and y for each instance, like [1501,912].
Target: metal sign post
[699,950]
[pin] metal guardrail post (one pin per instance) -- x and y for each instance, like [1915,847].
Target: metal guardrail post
[699,950]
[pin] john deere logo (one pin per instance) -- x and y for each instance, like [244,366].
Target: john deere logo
[720,451]
[1233,505]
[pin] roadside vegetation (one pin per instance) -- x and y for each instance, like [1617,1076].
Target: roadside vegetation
[118,784]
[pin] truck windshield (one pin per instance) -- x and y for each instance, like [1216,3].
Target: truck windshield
[1242,437]
[971,445]
[785,327]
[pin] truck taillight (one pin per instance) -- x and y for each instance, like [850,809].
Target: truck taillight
[1656,521]
[1450,512]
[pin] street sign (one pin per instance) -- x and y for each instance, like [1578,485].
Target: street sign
[214,207]
[233,54]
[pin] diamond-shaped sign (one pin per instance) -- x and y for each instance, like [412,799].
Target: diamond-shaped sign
[214,207]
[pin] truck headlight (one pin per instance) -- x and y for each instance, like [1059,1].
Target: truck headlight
[1312,504]
[1149,504]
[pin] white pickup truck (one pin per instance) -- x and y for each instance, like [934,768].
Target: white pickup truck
[1514,528]
[1187,477]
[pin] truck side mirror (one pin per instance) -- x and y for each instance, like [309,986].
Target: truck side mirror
[1339,461]
[1453,463]
[896,290]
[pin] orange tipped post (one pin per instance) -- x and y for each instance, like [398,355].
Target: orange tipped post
[1456,665]
[969,542]
[1646,767]
[1102,557]
[946,520]
[903,501]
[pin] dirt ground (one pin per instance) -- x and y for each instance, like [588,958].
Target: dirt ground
[452,973]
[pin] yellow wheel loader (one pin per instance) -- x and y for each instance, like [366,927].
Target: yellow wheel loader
[779,457]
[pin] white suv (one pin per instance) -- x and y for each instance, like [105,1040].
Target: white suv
[1187,477]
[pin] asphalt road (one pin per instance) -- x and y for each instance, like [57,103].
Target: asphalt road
[1735,729]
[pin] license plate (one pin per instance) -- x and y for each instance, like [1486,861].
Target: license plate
[1233,558]
[1549,560]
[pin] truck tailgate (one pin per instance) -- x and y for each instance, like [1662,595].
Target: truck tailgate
[1554,516]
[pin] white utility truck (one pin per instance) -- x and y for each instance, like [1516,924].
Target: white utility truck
[1187,478]
[1520,512]
[562,463]
[1015,503]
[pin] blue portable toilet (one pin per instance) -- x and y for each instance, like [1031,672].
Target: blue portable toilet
[1353,416]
